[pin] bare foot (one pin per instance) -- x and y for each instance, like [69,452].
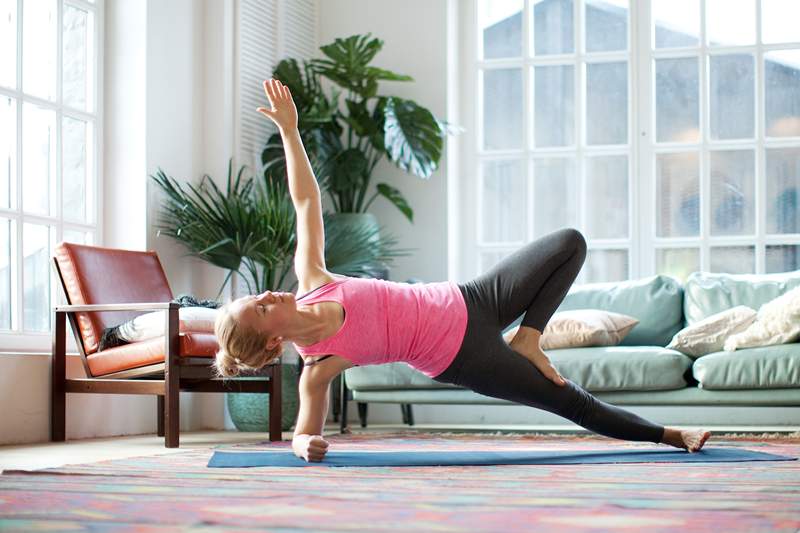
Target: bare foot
[688,439]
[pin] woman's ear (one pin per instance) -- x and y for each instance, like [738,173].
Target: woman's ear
[273,342]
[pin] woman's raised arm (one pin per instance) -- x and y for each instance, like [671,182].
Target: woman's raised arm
[309,258]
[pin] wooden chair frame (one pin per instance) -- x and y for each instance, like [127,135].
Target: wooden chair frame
[165,380]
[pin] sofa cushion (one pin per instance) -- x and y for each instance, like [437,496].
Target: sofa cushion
[596,368]
[708,293]
[656,301]
[764,367]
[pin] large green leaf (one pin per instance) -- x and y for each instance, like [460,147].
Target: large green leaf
[347,64]
[412,136]
[349,170]
[395,196]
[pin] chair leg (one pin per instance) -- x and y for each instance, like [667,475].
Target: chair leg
[172,415]
[58,394]
[160,415]
[362,413]
[275,411]
[172,380]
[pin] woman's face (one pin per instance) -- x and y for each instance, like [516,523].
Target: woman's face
[269,311]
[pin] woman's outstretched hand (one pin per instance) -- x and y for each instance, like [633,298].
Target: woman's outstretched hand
[283,111]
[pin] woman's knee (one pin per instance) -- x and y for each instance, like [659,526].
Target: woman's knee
[576,239]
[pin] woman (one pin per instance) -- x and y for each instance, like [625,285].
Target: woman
[450,332]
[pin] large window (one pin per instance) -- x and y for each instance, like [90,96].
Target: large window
[49,120]
[667,131]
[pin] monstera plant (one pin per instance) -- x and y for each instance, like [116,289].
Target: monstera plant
[350,128]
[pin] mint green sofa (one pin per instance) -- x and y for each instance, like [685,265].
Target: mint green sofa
[754,387]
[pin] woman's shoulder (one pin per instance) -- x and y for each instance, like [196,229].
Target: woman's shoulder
[317,280]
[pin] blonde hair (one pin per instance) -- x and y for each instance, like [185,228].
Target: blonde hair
[242,348]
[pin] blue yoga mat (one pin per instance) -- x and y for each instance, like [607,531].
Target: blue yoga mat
[223,459]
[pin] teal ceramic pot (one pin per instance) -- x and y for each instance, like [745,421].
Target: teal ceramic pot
[250,411]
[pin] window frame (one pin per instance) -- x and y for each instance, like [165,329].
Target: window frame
[18,340]
[642,242]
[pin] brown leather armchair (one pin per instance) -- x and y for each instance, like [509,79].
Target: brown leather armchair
[106,286]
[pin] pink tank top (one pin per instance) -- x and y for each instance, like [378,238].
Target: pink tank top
[420,324]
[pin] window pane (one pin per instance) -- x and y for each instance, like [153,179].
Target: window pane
[36,276]
[782,93]
[732,192]
[607,103]
[553,28]
[39,39]
[77,140]
[38,158]
[8,148]
[730,22]
[77,236]
[677,195]
[607,197]
[733,259]
[677,100]
[502,108]
[783,258]
[606,25]
[503,201]
[5,273]
[554,106]
[732,96]
[554,195]
[676,23]
[605,265]
[677,262]
[8,43]
[783,182]
[78,58]
[779,21]
[500,22]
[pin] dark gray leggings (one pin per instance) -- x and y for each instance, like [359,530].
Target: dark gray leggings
[533,280]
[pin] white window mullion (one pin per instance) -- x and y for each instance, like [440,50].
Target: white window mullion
[16,237]
[760,153]
[703,157]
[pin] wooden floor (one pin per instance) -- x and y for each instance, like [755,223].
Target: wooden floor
[53,454]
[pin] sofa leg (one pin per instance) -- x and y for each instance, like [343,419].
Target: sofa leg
[408,416]
[343,409]
[160,415]
[362,414]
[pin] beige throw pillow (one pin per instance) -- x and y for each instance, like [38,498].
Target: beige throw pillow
[582,327]
[708,335]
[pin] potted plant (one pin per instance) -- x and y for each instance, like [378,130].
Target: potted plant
[347,139]
[248,229]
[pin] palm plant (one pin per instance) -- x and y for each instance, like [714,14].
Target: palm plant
[249,229]
[347,142]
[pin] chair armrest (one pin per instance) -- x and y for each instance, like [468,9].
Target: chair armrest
[154,306]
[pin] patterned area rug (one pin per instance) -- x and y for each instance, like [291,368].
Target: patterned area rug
[178,491]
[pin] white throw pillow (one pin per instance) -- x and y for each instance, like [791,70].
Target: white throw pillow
[582,327]
[708,335]
[778,322]
[151,325]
